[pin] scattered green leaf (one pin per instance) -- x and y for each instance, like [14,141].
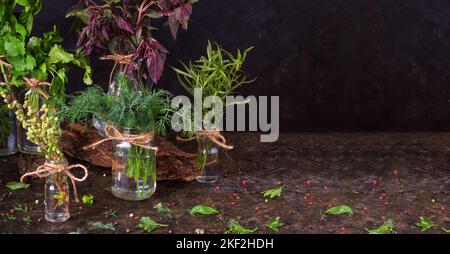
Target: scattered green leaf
[100,225]
[88,199]
[275,224]
[446,230]
[148,225]
[26,219]
[235,228]
[338,210]
[8,216]
[112,213]
[425,224]
[273,193]
[20,208]
[163,210]
[202,209]
[17,185]
[386,228]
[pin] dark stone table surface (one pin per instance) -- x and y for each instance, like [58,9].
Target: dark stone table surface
[399,176]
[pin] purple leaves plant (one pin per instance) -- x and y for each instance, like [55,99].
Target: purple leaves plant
[125,27]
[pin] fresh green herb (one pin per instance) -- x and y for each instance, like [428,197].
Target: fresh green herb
[446,230]
[20,208]
[273,193]
[219,73]
[163,210]
[386,228]
[111,213]
[101,226]
[425,224]
[17,185]
[235,228]
[202,209]
[26,219]
[8,216]
[275,224]
[338,210]
[88,199]
[148,225]
[136,109]
[60,198]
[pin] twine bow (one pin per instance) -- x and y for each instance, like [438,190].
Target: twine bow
[214,135]
[118,59]
[36,84]
[112,133]
[48,169]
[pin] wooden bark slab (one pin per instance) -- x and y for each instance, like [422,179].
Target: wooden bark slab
[173,164]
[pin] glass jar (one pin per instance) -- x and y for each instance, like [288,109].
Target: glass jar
[57,196]
[133,171]
[35,101]
[8,146]
[207,160]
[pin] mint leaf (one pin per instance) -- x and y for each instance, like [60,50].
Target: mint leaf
[148,225]
[17,185]
[21,30]
[204,210]
[23,3]
[338,210]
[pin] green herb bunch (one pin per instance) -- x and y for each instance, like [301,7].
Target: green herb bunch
[42,58]
[38,58]
[137,109]
[219,73]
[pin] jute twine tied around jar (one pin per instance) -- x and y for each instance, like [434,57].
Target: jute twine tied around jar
[113,134]
[214,135]
[118,59]
[48,169]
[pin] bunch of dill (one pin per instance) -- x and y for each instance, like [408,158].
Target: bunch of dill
[137,109]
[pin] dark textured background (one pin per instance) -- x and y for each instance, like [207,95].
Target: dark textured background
[337,65]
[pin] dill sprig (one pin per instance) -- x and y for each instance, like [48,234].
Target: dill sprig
[135,108]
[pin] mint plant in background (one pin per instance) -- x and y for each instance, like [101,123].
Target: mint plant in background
[219,73]
[38,66]
[133,118]
[122,31]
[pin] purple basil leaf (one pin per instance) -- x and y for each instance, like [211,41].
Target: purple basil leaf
[123,24]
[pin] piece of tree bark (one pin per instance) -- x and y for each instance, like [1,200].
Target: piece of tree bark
[173,164]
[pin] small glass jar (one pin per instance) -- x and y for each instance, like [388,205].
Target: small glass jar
[25,145]
[133,171]
[57,196]
[207,160]
[8,146]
